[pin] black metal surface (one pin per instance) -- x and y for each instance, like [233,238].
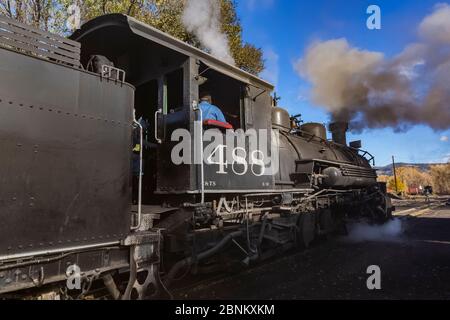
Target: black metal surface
[36,274]
[65,137]
[299,153]
[66,141]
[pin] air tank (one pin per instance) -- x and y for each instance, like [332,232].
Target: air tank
[334,178]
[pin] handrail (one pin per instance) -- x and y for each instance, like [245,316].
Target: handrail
[111,72]
[159,111]
[141,129]
[197,108]
[371,157]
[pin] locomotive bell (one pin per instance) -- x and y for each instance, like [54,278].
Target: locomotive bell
[281,119]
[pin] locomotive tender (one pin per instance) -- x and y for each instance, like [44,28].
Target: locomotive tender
[68,115]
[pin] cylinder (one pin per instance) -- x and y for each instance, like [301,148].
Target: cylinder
[315,129]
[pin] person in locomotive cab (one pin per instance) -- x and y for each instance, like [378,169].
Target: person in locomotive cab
[210,111]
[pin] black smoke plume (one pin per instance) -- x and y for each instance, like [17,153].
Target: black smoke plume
[371,91]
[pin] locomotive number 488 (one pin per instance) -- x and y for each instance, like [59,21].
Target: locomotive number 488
[241,162]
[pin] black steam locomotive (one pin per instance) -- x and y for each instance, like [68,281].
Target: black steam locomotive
[78,114]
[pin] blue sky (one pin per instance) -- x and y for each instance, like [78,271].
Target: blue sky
[284,29]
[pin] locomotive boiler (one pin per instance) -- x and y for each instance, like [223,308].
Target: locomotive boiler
[88,122]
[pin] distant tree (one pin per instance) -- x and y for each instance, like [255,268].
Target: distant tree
[441,178]
[401,186]
[165,15]
[413,177]
[42,14]
[246,56]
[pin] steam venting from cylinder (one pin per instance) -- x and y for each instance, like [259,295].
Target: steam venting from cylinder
[369,90]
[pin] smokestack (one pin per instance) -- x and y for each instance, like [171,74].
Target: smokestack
[339,132]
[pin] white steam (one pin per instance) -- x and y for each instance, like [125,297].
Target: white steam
[202,18]
[364,232]
[373,91]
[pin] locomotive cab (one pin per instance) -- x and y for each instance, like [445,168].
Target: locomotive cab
[169,76]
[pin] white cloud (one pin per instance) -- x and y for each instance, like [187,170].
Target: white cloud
[272,69]
[446,158]
[444,139]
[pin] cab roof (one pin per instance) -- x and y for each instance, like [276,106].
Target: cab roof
[148,32]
